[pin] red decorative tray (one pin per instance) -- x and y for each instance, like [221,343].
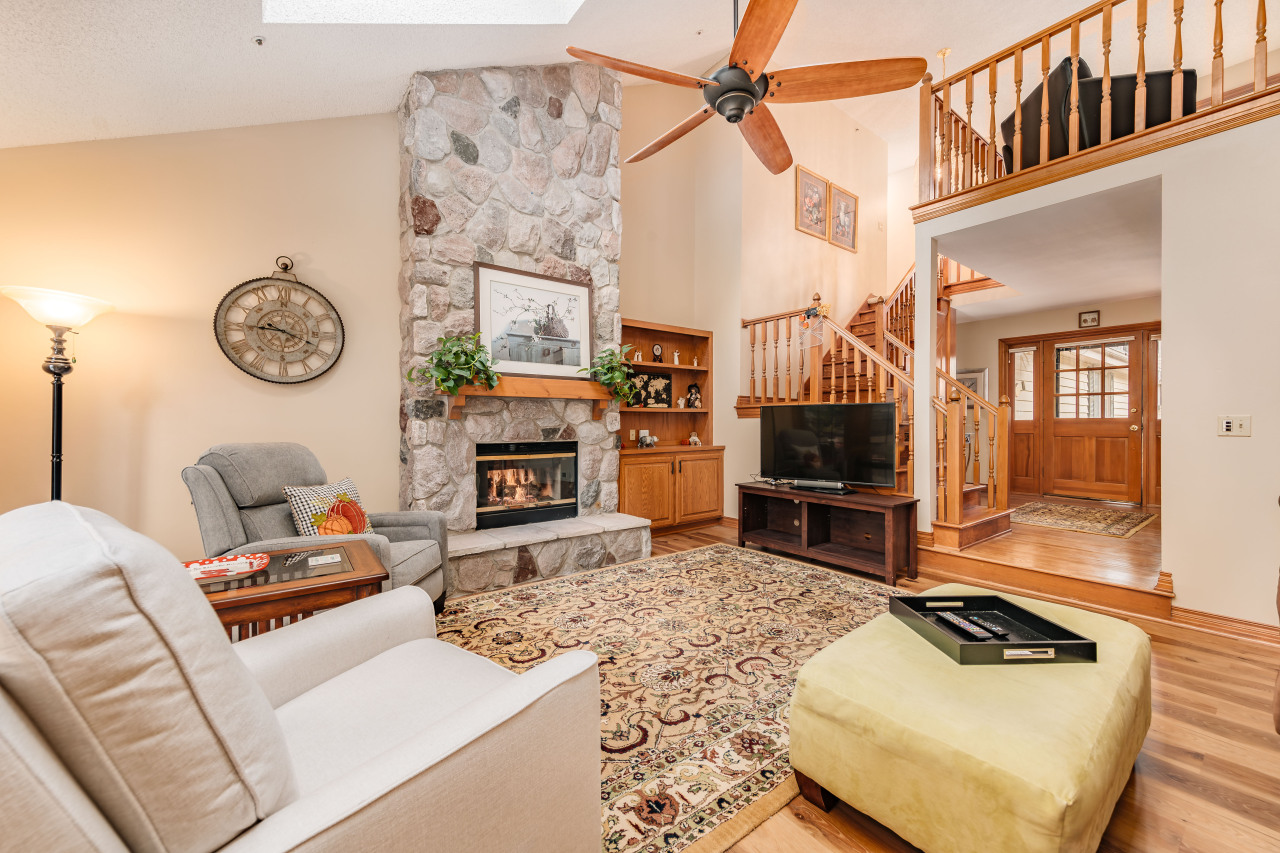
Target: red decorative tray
[214,569]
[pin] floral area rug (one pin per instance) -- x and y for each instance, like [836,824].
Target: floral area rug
[1083,519]
[698,659]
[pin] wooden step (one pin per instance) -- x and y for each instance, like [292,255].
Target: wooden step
[945,565]
[973,495]
[976,525]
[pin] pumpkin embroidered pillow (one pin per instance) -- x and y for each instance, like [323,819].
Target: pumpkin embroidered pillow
[329,510]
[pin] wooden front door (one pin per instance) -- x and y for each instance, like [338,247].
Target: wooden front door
[1092,417]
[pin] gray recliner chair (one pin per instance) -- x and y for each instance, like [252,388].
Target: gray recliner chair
[237,492]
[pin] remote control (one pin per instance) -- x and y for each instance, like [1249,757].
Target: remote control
[966,626]
[989,625]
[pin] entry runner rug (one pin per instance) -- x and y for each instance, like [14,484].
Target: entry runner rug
[1083,519]
[698,659]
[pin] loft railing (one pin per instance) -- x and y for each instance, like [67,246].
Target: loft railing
[955,159]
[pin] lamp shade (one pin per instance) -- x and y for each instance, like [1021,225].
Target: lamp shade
[56,307]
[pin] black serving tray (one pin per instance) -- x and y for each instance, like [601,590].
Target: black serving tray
[1031,638]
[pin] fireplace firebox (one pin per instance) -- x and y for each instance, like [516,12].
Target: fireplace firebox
[525,482]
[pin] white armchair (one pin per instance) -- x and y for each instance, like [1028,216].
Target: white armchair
[127,721]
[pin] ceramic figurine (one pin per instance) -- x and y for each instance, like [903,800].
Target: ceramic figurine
[695,361]
[680,402]
[695,396]
[675,356]
[694,440]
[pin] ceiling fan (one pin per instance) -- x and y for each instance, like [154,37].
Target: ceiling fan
[741,90]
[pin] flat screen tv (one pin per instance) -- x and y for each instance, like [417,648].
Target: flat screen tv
[829,444]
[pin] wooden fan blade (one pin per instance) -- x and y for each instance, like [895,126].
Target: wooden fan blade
[673,77]
[672,135]
[765,138]
[844,80]
[762,26]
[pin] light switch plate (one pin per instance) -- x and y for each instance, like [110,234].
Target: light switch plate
[633,435]
[1235,425]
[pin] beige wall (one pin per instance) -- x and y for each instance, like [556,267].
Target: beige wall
[904,191]
[711,238]
[163,226]
[1220,295]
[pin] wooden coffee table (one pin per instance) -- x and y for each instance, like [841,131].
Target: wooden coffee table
[289,589]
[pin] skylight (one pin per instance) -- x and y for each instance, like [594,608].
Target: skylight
[493,12]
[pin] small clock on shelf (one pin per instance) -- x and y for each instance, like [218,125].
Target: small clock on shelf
[657,353]
[278,329]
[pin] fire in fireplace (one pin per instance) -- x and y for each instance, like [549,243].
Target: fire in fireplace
[525,482]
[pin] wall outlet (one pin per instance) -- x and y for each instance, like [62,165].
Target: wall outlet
[1235,425]
[633,435]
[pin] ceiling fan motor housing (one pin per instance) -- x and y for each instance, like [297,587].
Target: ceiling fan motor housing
[735,94]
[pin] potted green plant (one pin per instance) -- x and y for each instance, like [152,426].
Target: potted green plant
[612,370]
[460,360]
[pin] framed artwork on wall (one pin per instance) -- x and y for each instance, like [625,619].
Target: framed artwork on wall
[533,325]
[843,211]
[653,391]
[975,381]
[811,203]
[1090,319]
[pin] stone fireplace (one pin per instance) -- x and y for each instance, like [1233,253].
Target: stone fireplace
[516,167]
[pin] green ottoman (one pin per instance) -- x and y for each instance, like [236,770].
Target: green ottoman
[1025,758]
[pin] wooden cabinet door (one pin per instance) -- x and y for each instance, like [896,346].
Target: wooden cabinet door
[646,488]
[699,487]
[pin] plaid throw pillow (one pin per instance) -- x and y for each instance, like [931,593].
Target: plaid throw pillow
[330,510]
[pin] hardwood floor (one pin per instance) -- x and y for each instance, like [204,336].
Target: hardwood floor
[1132,562]
[1207,781]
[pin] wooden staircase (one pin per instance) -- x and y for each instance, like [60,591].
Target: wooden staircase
[871,358]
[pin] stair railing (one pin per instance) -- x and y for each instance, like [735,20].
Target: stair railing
[775,381]
[969,415]
[954,156]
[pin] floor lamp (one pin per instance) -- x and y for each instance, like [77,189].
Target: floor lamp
[61,312]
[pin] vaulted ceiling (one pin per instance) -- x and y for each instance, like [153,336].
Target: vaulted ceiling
[87,69]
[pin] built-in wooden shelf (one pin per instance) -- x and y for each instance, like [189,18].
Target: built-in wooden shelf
[672,448]
[659,410]
[535,387]
[653,366]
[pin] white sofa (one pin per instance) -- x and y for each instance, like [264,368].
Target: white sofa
[128,722]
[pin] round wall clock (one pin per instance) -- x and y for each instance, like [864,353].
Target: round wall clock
[278,329]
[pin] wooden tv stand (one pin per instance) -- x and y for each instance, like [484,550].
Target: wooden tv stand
[868,533]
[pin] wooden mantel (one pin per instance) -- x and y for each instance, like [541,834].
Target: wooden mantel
[535,387]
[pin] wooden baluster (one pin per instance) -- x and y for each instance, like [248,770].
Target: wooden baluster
[926,160]
[955,456]
[911,441]
[815,365]
[844,353]
[1260,50]
[991,139]
[1106,74]
[832,397]
[946,139]
[1215,96]
[991,462]
[1044,99]
[941,438]
[1073,119]
[968,131]
[1140,93]
[882,383]
[776,336]
[1017,110]
[751,392]
[1002,458]
[1177,59]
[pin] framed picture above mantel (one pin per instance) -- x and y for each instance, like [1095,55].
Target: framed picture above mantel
[533,325]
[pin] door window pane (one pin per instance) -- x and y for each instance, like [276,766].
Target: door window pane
[1090,357]
[1117,405]
[1090,406]
[1118,379]
[1024,378]
[1117,355]
[1066,407]
[1066,358]
[1090,381]
[1067,382]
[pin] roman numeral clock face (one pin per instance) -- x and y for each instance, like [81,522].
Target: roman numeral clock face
[278,330]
